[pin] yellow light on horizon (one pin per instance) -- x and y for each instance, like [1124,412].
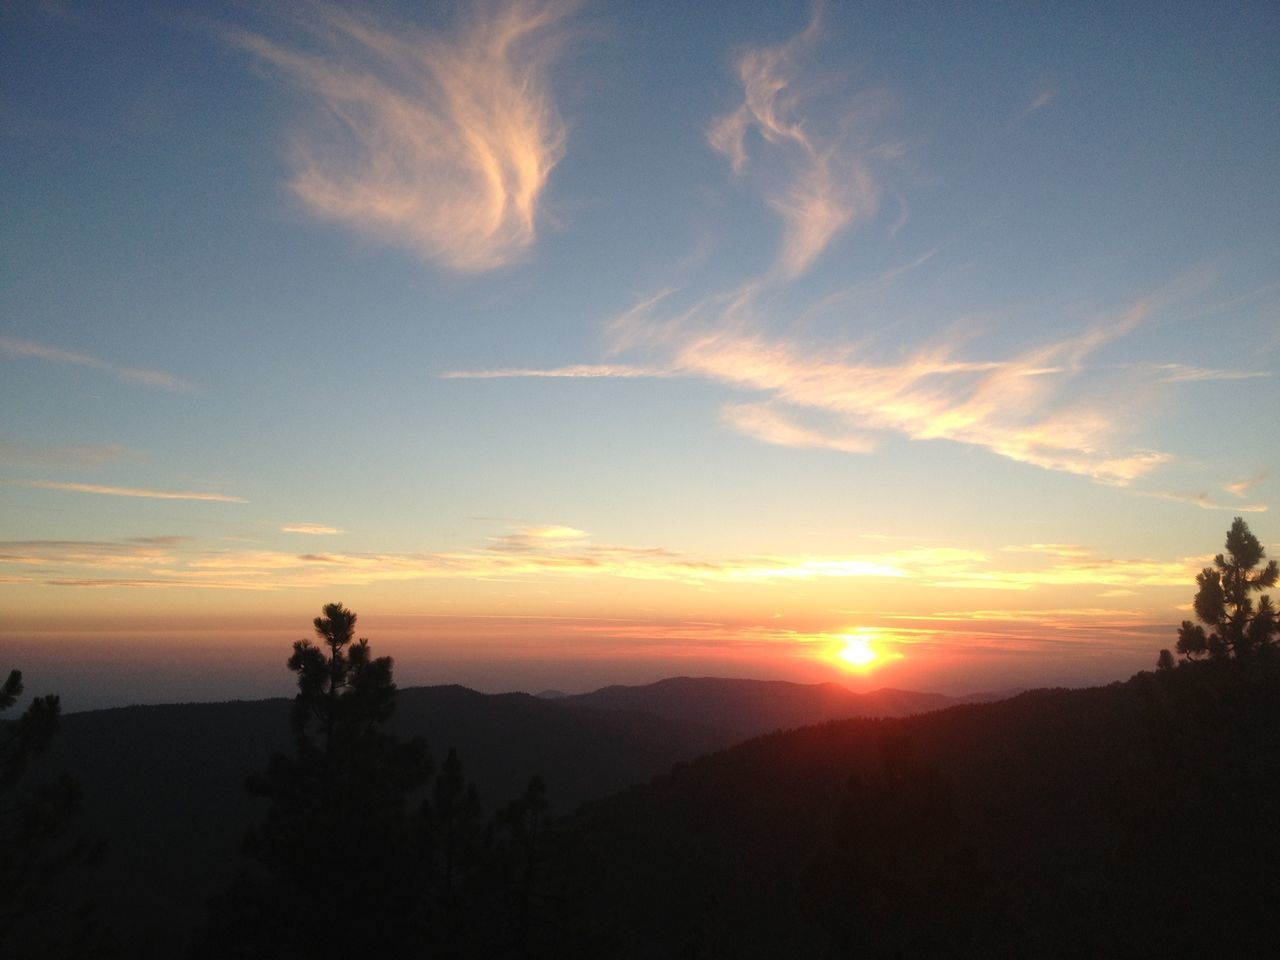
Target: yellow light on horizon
[857,651]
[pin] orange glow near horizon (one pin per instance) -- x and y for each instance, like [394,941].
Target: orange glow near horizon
[861,650]
[858,652]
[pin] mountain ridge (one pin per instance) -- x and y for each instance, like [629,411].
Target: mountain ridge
[163,784]
[748,708]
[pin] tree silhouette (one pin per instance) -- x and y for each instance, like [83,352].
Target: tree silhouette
[523,822]
[37,916]
[457,814]
[340,867]
[361,851]
[1224,603]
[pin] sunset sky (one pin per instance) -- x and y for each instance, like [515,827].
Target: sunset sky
[573,344]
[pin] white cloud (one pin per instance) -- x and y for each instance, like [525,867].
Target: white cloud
[763,422]
[531,553]
[578,371]
[138,375]
[827,184]
[144,493]
[1181,373]
[441,142]
[88,455]
[1241,488]
[1203,501]
[311,529]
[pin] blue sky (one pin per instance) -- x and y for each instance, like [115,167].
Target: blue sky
[750,326]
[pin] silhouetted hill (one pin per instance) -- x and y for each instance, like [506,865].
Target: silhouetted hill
[582,754]
[746,708]
[1136,819]
[164,785]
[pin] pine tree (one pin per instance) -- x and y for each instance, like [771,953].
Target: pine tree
[1224,603]
[38,916]
[340,868]
[361,851]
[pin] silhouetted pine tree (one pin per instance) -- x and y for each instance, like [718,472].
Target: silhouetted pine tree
[361,853]
[38,915]
[457,811]
[1224,603]
[341,867]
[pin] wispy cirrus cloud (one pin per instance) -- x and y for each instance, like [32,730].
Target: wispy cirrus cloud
[1042,99]
[823,181]
[1025,407]
[529,539]
[1075,631]
[145,493]
[1011,410]
[1049,405]
[87,455]
[535,553]
[134,553]
[310,529]
[442,140]
[766,423]
[1182,373]
[577,371]
[1241,488]
[1203,501]
[138,375]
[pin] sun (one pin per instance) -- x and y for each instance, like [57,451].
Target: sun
[857,651]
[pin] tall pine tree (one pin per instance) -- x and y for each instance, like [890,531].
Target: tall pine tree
[1224,603]
[338,866]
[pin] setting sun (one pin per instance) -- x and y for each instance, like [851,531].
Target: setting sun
[856,650]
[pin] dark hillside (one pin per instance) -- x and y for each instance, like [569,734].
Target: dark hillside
[1135,819]
[747,708]
[582,754]
[164,785]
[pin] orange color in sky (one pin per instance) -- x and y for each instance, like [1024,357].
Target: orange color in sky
[861,650]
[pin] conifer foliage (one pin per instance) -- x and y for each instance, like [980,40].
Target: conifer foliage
[1237,629]
[38,916]
[364,850]
[338,866]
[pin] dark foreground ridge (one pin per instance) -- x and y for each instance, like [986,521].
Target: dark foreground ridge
[747,708]
[164,784]
[1133,819]
[1130,820]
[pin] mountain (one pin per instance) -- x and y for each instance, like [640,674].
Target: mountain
[504,739]
[1137,819]
[747,708]
[164,785]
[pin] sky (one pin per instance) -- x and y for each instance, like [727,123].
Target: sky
[920,345]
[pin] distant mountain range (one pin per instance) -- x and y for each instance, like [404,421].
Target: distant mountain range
[164,785]
[712,817]
[1132,820]
[747,708]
